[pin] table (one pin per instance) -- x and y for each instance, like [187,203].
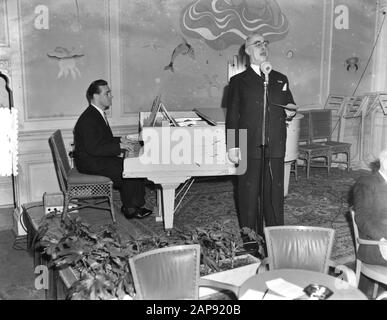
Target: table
[341,289]
[59,280]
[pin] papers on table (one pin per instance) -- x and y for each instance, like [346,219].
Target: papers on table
[285,288]
[279,289]
[251,294]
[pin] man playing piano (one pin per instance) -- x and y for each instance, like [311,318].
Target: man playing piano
[97,151]
[245,102]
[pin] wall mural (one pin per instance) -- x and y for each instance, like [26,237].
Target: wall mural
[183,48]
[66,61]
[352,64]
[222,23]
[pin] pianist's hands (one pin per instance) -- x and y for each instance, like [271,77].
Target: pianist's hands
[234,155]
[127,144]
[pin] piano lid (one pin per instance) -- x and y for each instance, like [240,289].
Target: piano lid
[215,116]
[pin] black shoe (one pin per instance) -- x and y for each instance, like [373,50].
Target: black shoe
[135,213]
[128,212]
[142,213]
[249,246]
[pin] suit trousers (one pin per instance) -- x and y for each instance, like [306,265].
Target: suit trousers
[249,194]
[132,191]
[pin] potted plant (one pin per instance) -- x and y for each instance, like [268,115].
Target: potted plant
[98,260]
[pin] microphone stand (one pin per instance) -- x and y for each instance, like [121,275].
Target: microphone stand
[263,157]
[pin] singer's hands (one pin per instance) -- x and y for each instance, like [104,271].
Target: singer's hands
[234,155]
[290,110]
[291,106]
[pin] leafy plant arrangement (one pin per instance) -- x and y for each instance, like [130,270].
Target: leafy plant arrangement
[220,242]
[100,258]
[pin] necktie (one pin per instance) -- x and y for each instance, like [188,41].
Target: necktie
[106,120]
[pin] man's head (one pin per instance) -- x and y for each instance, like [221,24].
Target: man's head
[256,48]
[383,161]
[99,94]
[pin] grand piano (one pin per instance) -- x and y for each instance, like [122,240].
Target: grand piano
[171,155]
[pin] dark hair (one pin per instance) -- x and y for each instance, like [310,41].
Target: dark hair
[94,88]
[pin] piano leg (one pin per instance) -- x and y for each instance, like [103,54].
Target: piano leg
[168,198]
[159,198]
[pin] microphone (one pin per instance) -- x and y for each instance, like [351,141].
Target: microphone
[266,67]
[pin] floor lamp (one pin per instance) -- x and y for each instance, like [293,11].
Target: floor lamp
[8,139]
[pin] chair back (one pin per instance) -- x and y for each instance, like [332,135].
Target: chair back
[237,65]
[355,229]
[321,124]
[304,127]
[299,247]
[61,161]
[356,236]
[169,273]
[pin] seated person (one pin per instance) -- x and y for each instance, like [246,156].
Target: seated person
[370,206]
[97,151]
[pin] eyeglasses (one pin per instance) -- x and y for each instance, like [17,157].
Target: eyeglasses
[260,44]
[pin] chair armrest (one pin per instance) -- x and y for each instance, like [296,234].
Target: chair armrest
[382,296]
[263,266]
[219,285]
[371,242]
[348,275]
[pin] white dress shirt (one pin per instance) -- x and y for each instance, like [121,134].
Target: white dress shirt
[256,68]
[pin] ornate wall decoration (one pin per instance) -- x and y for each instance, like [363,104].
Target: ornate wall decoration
[222,23]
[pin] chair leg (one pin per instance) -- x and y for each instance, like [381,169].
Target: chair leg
[112,203]
[66,202]
[348,160]
[112,209]
[375,292]
[307,168]
[295,169]
[329,161]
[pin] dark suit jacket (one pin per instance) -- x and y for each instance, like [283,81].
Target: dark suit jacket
[94,142]
[370,205]
[245,106]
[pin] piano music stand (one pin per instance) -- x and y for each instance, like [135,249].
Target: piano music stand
[154,110]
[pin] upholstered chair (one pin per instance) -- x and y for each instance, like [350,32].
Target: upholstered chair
[375,272]
[171,273]
[302,247]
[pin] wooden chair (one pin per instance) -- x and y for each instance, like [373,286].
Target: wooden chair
[77,187]
[321,125]
[302,247]
[307,151]
[375,272]
[171,273]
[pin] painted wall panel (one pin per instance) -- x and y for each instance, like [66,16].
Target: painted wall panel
[65,47]
[4,33]
[355,42]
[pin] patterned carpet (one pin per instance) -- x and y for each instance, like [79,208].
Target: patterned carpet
[320,201]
